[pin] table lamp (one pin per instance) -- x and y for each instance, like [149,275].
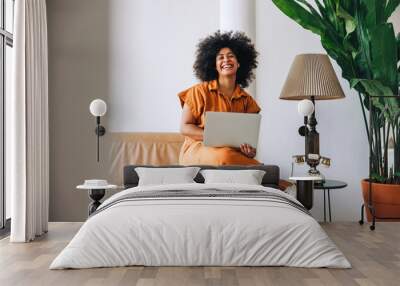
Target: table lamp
[311,77]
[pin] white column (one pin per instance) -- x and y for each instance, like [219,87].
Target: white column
[239,15]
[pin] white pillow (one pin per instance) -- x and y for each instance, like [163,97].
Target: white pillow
[163,176]
[248,177]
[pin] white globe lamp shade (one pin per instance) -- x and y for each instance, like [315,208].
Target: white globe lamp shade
[305,107]
[98,107]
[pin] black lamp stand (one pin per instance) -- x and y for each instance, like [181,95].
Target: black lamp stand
[309,131]
[100,131]
[312,144]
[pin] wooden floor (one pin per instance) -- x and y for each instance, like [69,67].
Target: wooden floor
[375,257]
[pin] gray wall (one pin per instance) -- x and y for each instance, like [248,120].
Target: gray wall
[78,73]
[137,54]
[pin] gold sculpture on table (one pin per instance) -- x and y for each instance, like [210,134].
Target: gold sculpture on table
[325,161]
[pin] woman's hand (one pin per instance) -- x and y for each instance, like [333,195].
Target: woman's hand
[247,150]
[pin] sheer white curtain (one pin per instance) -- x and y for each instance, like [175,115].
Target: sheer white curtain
[28,146]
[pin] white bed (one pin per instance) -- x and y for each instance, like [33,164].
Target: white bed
[202,231]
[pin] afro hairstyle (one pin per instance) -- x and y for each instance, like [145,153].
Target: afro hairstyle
[208,48]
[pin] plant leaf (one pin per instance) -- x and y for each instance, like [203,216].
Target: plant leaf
[327,13]
[330,10]
[384,55]
[364,55]
[372,87]
[389,106]
[310,8]
[373,12]
[377,178]
[350,22]
[299,14]
[363,70]
[347,5]
[398,48]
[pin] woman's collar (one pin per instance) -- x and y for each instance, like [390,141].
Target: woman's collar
[237,93]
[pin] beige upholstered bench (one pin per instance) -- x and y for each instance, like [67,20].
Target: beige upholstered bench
[147,148]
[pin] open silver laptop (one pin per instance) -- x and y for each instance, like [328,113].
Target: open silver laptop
[231,129]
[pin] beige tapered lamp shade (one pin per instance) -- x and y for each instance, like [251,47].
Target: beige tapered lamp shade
[311,75]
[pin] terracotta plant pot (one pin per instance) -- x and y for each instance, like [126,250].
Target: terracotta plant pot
[385,199]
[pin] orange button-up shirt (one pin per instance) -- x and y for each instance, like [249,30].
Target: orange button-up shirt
[205,97]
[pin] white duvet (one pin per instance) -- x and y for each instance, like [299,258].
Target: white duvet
[200,231]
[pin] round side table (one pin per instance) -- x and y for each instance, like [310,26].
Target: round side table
[327,186]
[96,193]
[305,190]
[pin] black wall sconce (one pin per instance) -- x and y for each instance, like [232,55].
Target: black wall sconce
[98,108]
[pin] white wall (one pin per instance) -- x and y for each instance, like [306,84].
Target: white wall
[152,46]
[395,19]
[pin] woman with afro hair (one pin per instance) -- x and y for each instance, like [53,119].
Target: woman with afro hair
[224,64]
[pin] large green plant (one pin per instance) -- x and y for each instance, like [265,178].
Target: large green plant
[358,36]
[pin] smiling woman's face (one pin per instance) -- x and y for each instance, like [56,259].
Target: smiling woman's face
[226,62]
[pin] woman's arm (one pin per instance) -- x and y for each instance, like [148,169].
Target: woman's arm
[188,126]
